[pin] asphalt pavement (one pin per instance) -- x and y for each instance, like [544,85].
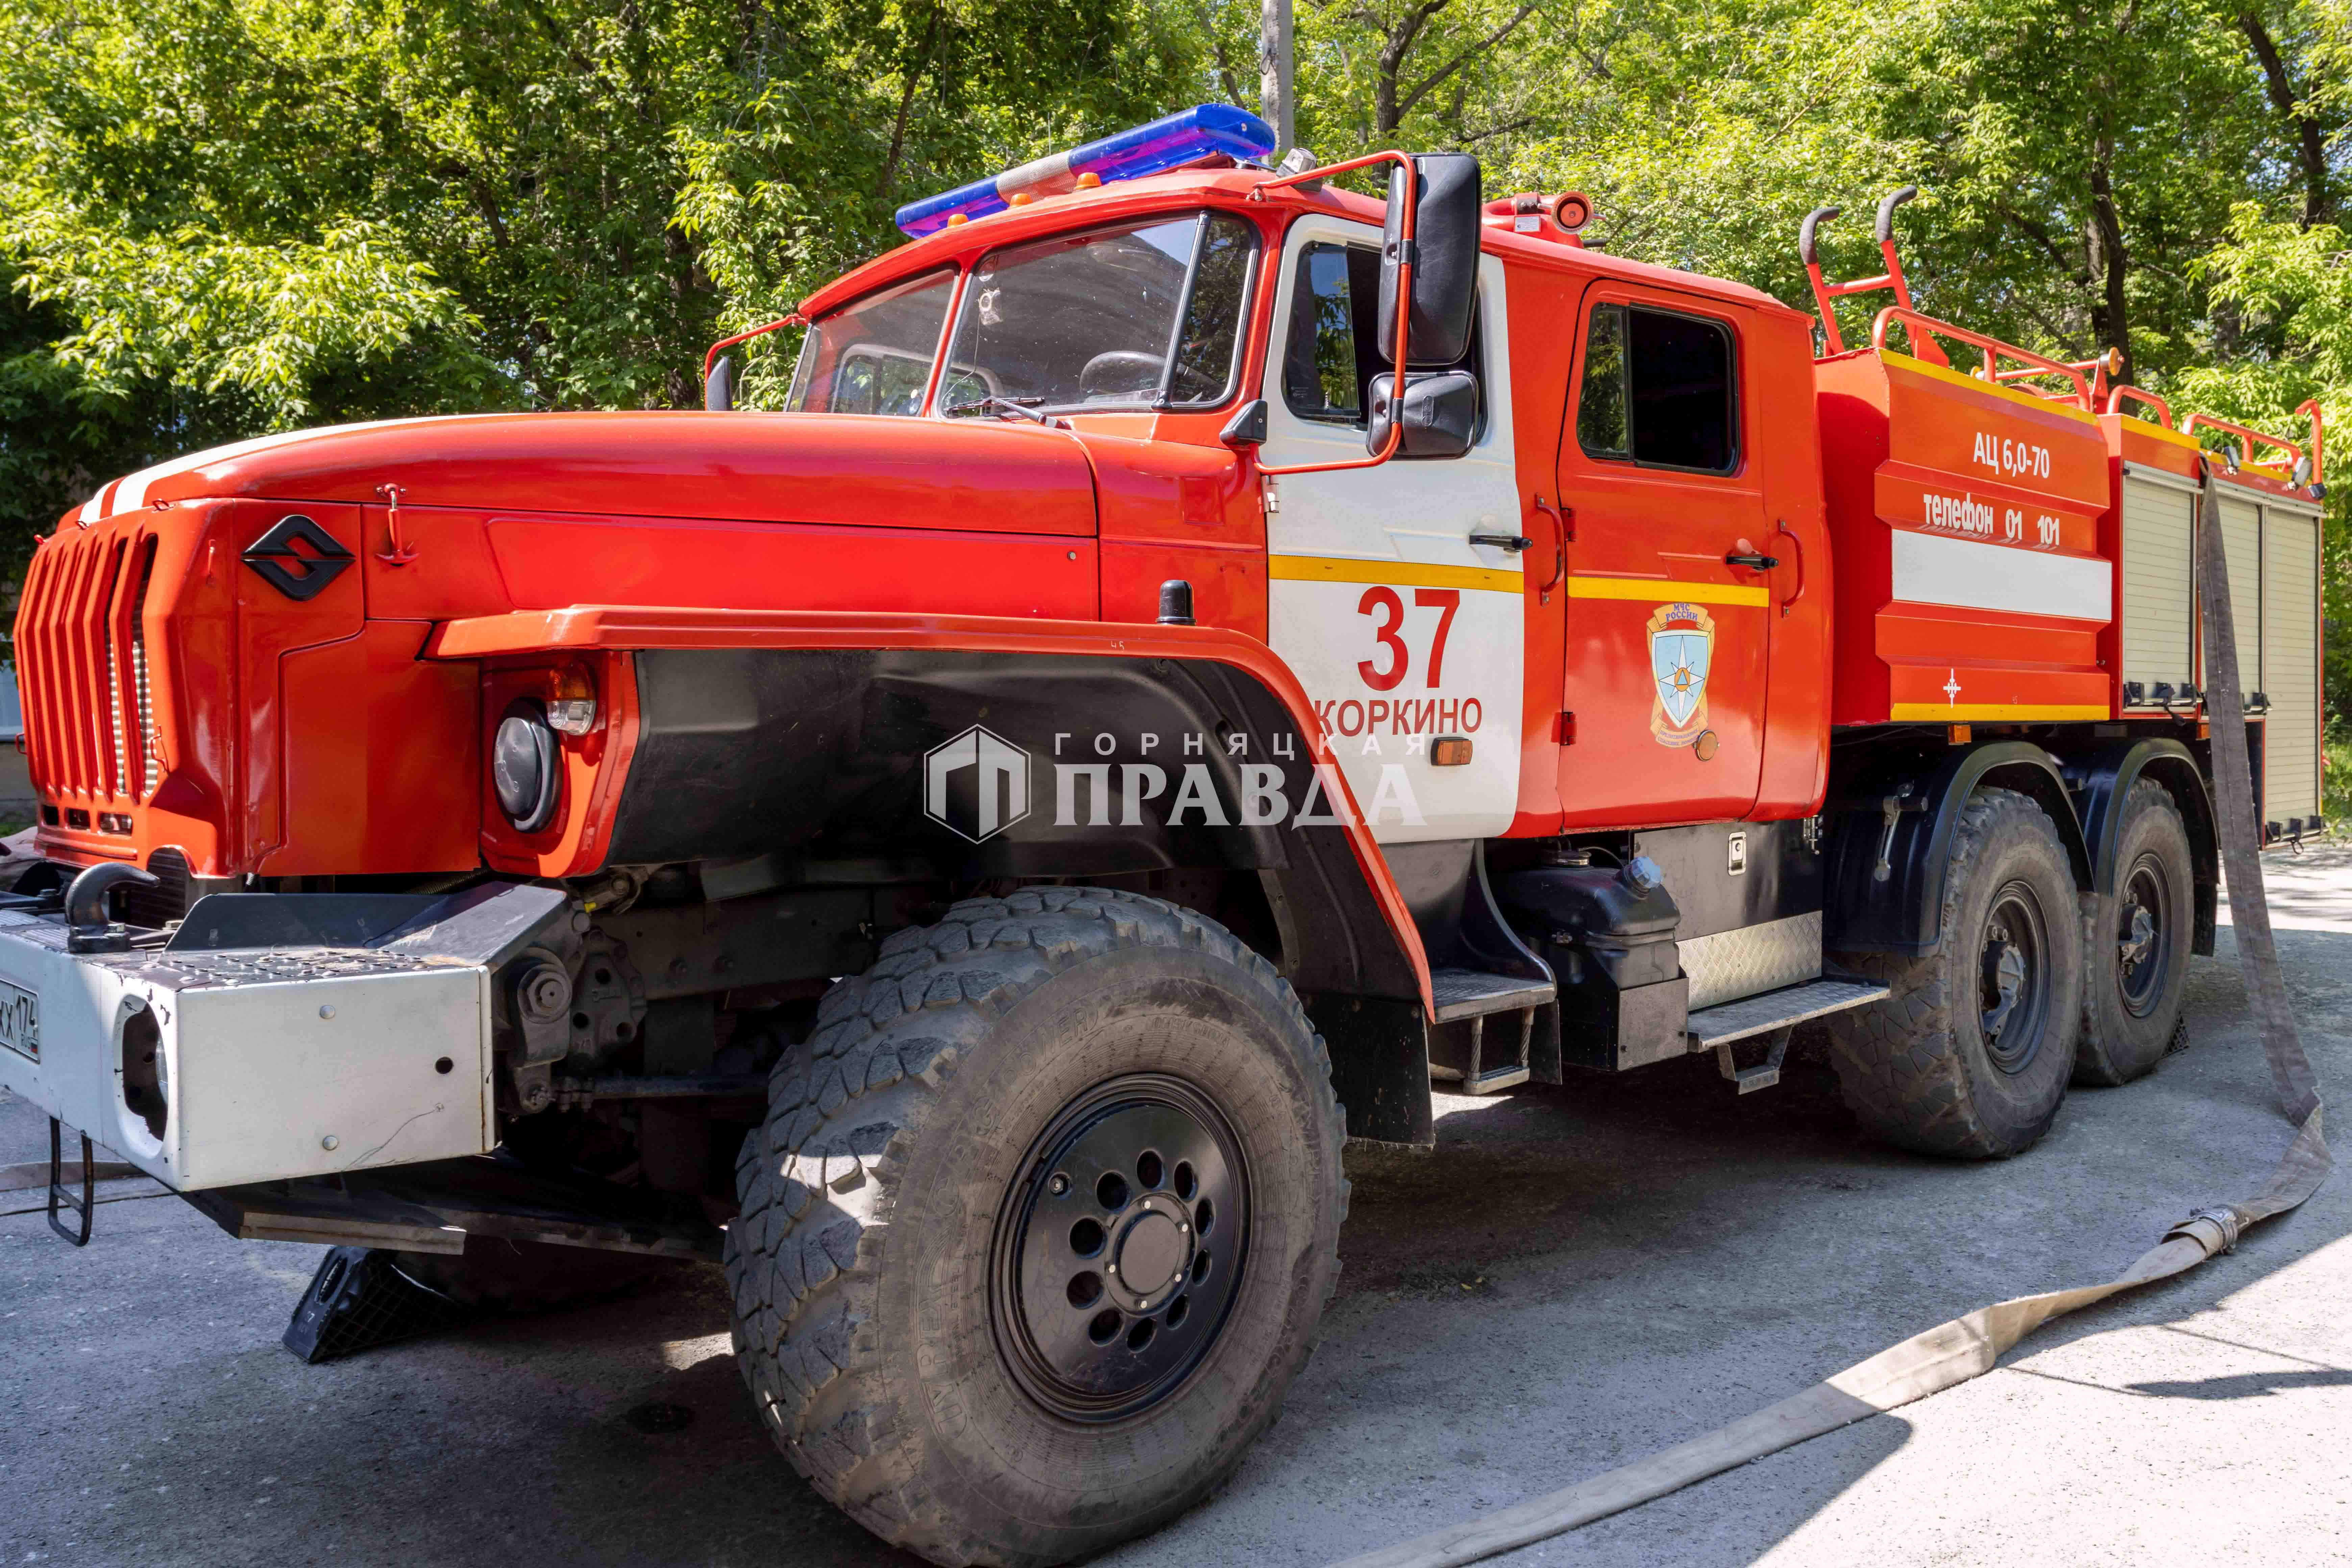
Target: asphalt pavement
[1576,1278]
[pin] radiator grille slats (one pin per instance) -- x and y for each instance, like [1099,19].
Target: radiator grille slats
[82,663]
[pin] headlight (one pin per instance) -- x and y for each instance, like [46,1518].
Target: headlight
[525,766]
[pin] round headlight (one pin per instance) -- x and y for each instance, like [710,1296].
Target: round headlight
[523,767]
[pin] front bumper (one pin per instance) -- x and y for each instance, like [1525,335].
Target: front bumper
[214,1060]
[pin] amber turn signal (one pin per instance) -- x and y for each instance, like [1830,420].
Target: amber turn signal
[1449,751]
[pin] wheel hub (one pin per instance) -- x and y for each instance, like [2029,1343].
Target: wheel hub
[2013,969]
[1119,1248]
[2144,915]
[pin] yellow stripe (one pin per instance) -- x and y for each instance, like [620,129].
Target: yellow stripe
[1940,712]
[1398,574]
[2161,432]
[1956,378]
[1659,591]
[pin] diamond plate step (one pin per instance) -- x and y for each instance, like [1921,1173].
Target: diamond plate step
[1790,1006]
[1466,993]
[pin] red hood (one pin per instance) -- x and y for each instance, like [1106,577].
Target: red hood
[741,467]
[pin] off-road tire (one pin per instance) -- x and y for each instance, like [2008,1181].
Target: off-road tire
[861,1265]
[1916,1068]
[527,1276]
[2119,1045]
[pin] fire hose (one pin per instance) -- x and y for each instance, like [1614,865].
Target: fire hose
[1965,1347]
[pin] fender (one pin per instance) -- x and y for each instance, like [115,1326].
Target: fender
[1902,912]
[809,735]
[2105,777]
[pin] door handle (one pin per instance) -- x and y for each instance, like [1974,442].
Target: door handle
[1798,545]
[1512,541]
[1753,563]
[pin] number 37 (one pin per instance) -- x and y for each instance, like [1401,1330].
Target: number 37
[1387,672]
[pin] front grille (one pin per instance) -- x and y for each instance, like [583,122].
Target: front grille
[164,903]
[81,661]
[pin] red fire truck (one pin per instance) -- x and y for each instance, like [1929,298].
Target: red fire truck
[1197,654]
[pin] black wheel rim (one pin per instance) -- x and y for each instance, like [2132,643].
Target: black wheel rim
[1119,1248]
[2013,978]
[2143,922]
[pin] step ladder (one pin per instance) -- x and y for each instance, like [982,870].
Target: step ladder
[1774,1013]
[1468,995]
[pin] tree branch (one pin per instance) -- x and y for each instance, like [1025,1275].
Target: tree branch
[1526,10]
[2311,146]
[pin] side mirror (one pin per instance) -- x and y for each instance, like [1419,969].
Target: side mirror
[1448,206]
[719,386]
[1439,412]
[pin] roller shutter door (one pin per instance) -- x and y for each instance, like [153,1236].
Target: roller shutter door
[2241,536]
[2159,628]
[2291,678]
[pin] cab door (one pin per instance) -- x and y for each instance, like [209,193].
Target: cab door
[1404,630]
[1668,612]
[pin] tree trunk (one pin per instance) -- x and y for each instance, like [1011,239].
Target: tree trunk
[2310,141]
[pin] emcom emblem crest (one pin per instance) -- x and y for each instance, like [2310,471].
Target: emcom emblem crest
[1682,646]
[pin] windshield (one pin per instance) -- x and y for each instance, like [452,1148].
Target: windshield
[874,356]
[1145,315]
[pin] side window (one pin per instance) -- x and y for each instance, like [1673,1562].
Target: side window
[1658,390]
[1332,310]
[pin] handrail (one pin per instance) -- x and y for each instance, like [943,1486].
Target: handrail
[2115,403]
[2247,436]
[1916,326]
[1824,292]
[1404,297]
[794,320]
[2311,406]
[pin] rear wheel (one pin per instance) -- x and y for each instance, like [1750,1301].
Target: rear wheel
[2137,947]
[1040,1226]
[1970,1054]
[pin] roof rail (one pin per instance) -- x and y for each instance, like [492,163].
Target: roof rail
[2248,436]
[2118,394]
[1918,330]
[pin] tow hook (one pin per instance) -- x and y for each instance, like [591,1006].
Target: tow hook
[88,927]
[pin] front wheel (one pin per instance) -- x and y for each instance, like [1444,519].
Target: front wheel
[1040,1226]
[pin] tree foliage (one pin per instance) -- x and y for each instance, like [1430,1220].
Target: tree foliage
[223,216]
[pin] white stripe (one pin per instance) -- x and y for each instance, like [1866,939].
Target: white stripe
[1930,569]
[132,493]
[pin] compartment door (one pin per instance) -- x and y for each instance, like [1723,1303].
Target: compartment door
[2242,546]
[2159,581]
[2290,612]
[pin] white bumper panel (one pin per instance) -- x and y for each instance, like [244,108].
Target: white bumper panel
[275,1063]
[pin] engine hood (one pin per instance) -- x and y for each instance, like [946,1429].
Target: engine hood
[738,467]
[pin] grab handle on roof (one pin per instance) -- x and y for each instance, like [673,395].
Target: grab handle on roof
[1886,207]
[1825,292]
[1920,331]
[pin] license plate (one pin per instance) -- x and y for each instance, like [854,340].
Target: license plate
[20,1021]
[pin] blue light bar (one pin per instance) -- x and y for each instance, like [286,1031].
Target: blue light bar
[1166,143]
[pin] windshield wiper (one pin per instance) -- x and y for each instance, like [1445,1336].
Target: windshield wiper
[1005,405]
